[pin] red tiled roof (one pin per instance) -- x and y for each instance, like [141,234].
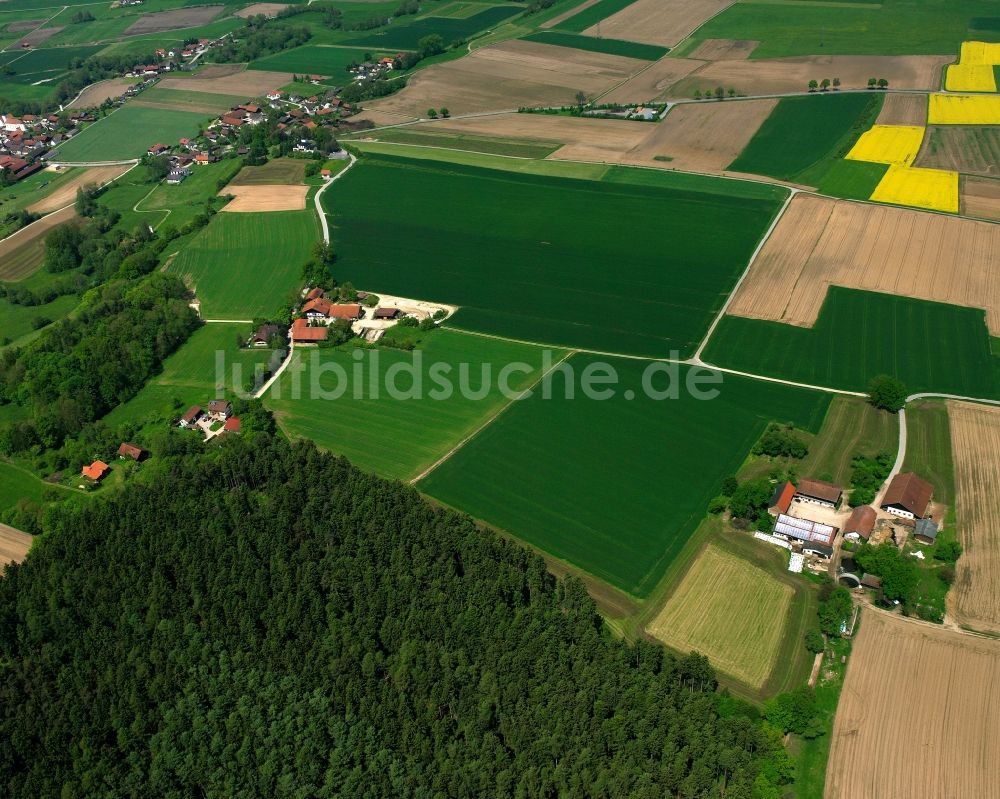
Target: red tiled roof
[909,492]
[819,489]
[130,451]
[232,424]
[307,334]
[96,470]
[344,311]
[783,496]
[318,305]
[861,521]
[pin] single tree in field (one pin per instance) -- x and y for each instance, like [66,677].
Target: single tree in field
[731,92]
[836,84]
[825,84]
[887,392]
[720,92]
[872,82]
[432,113]
[581,99]
[883,83]
[813,85]
[445,113]
[697,94]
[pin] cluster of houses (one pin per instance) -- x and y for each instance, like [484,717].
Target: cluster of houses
[171,59]
[370,70]
[214,420]
[318,312]
[25,140]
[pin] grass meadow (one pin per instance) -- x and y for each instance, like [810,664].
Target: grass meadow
[128,133]
[614,487]
[313,59]
[802,132]
[398,438]
[729,610]
[891,27]
[189,376]
[608,266]
[852,180]
[404,35]
[930,346]
[646,52]
[16,484]
[243,266]
[18,321]
[928,447]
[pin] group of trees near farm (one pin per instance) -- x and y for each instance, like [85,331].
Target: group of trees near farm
[261,619]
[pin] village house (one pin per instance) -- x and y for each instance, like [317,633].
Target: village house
[126,450]
[12,123]
[96,471]
[818,492]
[263,335]
[318,308]
[191,416]
[220,409]
[350,312]
[386,314]
[302,333]
[907,496]
[860,524]
[157,149]
[176,176]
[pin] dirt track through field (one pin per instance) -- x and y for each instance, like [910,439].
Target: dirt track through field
[66,193]
[664,22]
[265,198]
[784,75]
[821,242]
[974,600]
[919,715]
[702,137]
[981,197]
[508,76]
[903,109]
[14,545]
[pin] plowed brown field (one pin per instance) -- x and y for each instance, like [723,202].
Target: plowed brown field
[919,715]
[903,109]
[974,600]
[14,545]
[820,242]
[981,197]
[265,198]
[724,49]
[66,193]
[97,93]
[225,80]
[665,22]
[973,150]
[653,83]
[781,75]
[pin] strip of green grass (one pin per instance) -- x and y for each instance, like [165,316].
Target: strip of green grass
[852,180]
[593,14]
[528,257]
[928,447]
[614,486]
[858,335]
[479,144]
[317,60]
[646,52]
[802,131]
[398,437]
[128,133]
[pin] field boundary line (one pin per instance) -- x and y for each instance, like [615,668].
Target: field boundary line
[490,419]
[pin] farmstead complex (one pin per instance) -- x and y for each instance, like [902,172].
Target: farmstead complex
[567,398]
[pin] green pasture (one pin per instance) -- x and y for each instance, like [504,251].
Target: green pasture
[608,266]
[246,265]
[398,437]
[852,180]
[928,447]
[646,52]
[16,485]
[313,59]
[615,486]
[406,35]
[128,133]
[209,365]
[592,15]
[858,335]
[890,27]
[801,132]
[17,321]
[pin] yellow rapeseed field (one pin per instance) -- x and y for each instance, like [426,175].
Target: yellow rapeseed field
[936,189]
[888,144]
[964,109]
[970,78]
[980,53]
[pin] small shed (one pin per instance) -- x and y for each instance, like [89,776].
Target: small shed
[925,531]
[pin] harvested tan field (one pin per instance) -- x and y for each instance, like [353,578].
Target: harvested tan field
[820,242]
[703,138]
[665,22]
[783,75]
[981,197]
[972,150]
[24,25]
[567,14]
[508,76]
[24,238]
[37,36]
[239,82]
[97,93]
[903,109]
[267,9]
[583,139]
[974,600]
[265,198]
[919,714]
[724,49]
[160,21]
[14,545]
[653,83]
[276,172]
[66,194]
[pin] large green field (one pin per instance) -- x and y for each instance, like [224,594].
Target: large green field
[890,27]
[928,447]
[647,52]
[189,376]
[403,35]
[615,487]
[317,60]
[398,437]
[246,265]
[607,266]
[858,335]
[128,133]
[803,131]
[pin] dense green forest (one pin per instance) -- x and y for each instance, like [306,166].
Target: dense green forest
[261,619]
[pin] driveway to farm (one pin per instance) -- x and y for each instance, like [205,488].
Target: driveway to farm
[319,208]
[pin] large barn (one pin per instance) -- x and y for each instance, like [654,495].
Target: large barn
[907,496]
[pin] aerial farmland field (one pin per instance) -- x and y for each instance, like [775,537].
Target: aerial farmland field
[312,59]
[395,437]
[244,266]
[128,133]
[614,487]
[858,335]
[540,270]
[407,35]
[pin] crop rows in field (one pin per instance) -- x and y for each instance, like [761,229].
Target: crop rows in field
[407,36]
